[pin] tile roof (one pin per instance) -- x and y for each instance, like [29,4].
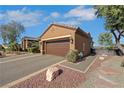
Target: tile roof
[30,38]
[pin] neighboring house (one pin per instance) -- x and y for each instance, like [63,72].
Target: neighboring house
[27,41]
[59,39]
[1,47]
[5,46]
[1,50]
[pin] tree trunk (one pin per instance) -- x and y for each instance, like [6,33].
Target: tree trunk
[117,40]
[118,45]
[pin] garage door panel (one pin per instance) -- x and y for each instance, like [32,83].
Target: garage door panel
[59,48]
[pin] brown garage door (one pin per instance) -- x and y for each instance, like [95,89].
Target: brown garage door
[59,48]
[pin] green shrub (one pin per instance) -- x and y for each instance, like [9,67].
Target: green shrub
[34,47]
[29,50]
[122,63]
[35,50]
[72,56]
[111,47]
[2,48]
[8,50]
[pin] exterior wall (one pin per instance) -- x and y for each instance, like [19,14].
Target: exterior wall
[56,31]
[24,44]
[78,40]
[82,44]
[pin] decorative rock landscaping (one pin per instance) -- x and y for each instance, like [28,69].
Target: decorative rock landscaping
[105,83]
[109,75]
[52,73]
[109,71]
[67,79]
[101,58]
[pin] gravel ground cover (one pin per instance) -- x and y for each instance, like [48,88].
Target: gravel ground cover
[91,75]
[107,74]
[115,64]
[101,83]
[82,66]
[109,71]
[67,79]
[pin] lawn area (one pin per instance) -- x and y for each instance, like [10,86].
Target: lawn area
[83,65]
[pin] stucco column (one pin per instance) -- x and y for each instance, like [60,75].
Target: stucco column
[23,44]
[41,47]
[26,44]
[72,43]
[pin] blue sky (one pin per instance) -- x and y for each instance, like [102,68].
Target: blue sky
[37,18]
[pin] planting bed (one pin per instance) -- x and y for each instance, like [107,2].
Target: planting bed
[82,65]
[67,79]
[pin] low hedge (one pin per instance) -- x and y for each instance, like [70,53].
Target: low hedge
[72,56]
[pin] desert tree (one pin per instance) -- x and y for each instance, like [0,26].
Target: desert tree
[105,39]
[11,33]
[114,21]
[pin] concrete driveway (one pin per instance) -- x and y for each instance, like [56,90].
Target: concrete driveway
[16,67]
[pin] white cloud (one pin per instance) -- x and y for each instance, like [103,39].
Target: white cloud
[73,22]
[81,13]
[26,17]
[69,23]
[29,18]
[52,16]
[74,16]
[55,14]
